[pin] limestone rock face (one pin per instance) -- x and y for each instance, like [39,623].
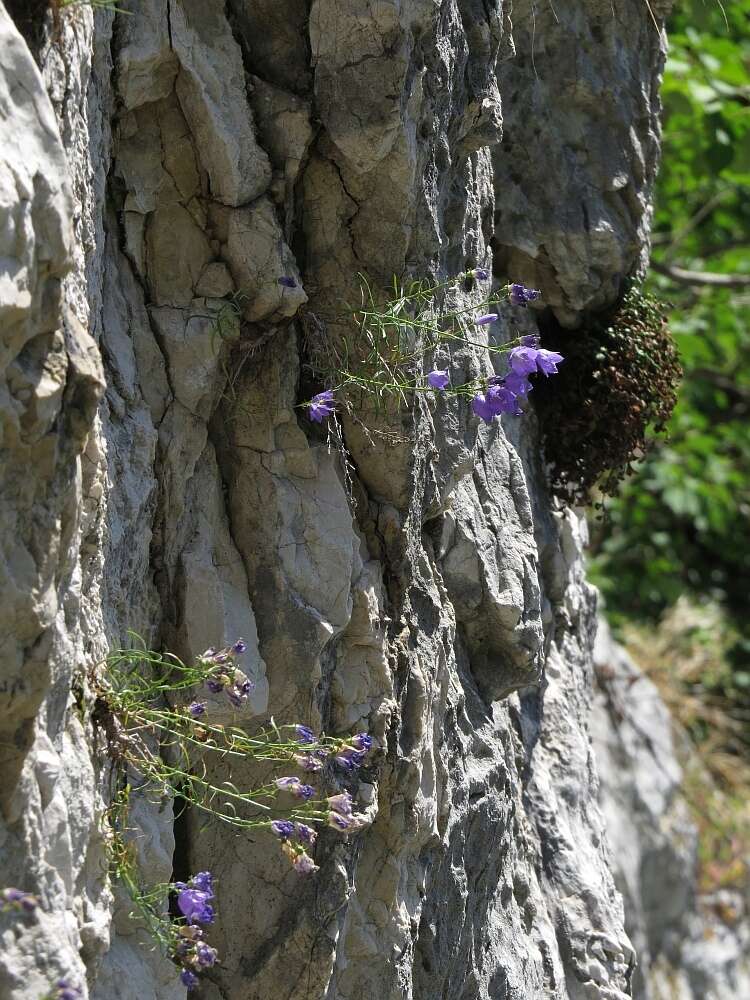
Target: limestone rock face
[158,175]
[690,945]
[581,97]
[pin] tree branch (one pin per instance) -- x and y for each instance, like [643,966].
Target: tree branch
[683,277]
[738,394]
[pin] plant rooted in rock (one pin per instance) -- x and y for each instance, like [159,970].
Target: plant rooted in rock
[160,733]
[180,938]
[395,345]
[619,385]
[64,990]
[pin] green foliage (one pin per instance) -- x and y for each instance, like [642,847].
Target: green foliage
[688,659]
[172,750]
[682,524]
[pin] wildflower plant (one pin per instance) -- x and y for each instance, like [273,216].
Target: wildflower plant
[64,990]
[387,355]
[17,901]
[162,737]
[181,937]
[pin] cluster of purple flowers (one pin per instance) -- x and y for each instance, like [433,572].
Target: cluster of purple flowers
[193,898]
[340,815]
[17,899]
[503,393]
[193,902]
[313,760]
[349,755]
[297,837]
[322,406]
[353,753]
[519,295]
[224,675]
[63,990]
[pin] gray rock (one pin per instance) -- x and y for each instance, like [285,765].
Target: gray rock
[685,950]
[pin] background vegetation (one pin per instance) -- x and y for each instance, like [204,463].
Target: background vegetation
[672,554]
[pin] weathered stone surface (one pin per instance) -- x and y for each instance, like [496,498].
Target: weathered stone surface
[211,90]
[258,256]
[685,949]
[413,581]
[50,383]
[579,96]
[35,251]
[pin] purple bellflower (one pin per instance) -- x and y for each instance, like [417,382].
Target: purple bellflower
[337,821]
[503,400]
[322,406]
[486,319]
[240,690]
[282,828]
[483,408]
[203,881]
[350,759]
[287,784]
[188,979]
[287,282]
[308,762]
[205,954]
[526,360]
[304,864]
[194,906]
[519,385]
[521,296]
[306,834]
[547,361]
[341,803]
[362,742]
[496,400]
[523,360]
[438,379]
[295,787]
[303,734]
